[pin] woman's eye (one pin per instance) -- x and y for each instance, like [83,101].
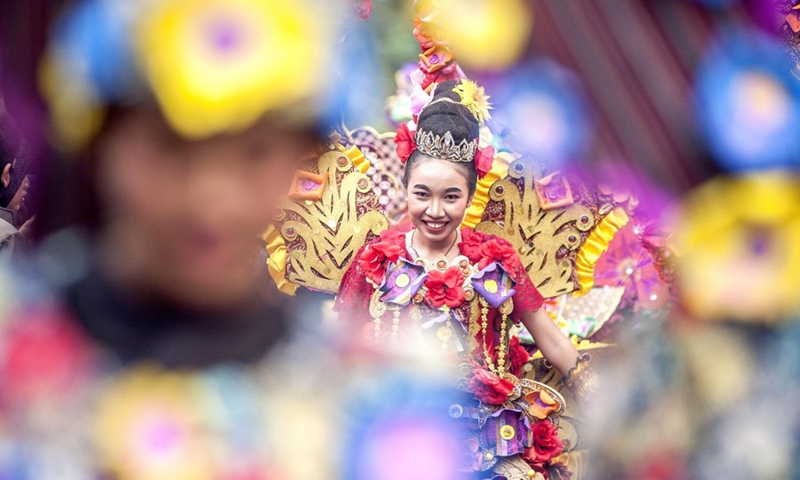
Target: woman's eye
[451,198]
[420,194]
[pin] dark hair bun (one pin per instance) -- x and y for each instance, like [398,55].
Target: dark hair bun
[442,116]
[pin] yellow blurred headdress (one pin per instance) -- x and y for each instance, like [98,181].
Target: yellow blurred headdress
[212,66]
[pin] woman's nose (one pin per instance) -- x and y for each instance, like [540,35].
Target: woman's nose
[434,209]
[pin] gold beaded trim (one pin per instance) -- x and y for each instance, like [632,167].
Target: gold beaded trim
[502,353]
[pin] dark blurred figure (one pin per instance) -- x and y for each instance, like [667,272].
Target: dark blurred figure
[14,184]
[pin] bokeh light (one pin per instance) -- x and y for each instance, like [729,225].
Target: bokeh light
[748,103]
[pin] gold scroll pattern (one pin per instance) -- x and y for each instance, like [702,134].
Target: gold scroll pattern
[548,241]
[323,236]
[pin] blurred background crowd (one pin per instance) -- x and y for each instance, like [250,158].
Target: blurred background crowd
[685,107]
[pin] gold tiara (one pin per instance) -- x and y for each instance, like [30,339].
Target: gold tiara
[445,146]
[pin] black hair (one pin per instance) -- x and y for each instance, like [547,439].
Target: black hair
[9,150]
[440,117]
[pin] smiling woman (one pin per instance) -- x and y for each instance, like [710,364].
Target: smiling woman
[460,291]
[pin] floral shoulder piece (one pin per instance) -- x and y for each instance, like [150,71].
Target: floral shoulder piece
[482,249]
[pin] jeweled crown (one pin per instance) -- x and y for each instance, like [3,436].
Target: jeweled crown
[445,146]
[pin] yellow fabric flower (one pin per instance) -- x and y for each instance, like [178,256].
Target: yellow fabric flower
[147,428]
[474,98]
[484,34]
[76,110]
[219,65]
[740,258]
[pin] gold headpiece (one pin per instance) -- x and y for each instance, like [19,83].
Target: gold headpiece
[445,146]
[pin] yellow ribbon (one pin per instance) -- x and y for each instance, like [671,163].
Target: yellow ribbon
[357,157]
[596,244]
[276,263]
[481,198]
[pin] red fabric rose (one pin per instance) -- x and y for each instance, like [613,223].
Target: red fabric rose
[518,356]
[445,288]
[375,257]
[483,160]
[488,387]
[45,354]
[546,443]
[405,142]
[449,72]
[498,250]
[470,245]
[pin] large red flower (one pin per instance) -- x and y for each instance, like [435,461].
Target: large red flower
[518,356]
[449,72]
[546,443]
[498,250]
[470,245]
[45,353]
[445,288]
[406,144]
[488,387]
[376,256]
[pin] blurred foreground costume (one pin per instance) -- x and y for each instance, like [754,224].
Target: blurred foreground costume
[98,381]
[711,391]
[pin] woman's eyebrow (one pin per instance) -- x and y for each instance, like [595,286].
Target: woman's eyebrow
[453,189]
[422,187]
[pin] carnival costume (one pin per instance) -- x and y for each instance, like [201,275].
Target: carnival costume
[526,236]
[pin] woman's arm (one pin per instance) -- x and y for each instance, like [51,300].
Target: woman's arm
[555,346]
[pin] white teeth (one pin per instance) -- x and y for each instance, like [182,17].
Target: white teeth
[435,225]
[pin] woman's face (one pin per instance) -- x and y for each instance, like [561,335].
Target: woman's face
[438,196]
[183,218]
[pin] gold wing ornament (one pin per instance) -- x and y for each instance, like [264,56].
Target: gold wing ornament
[330,212]
[559,227]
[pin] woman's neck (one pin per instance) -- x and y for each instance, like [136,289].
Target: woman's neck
[430,250]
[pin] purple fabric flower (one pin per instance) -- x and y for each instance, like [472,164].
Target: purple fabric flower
[401,282]
[494,284]
[507,432]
